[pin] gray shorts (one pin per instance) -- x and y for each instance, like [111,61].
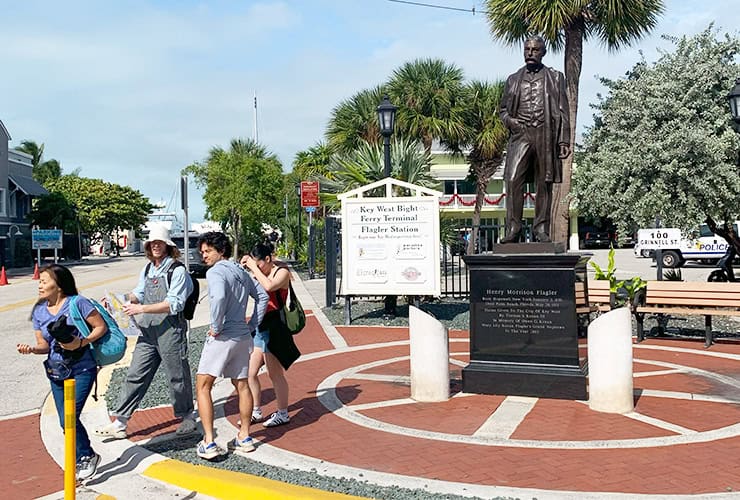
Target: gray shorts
[227,358]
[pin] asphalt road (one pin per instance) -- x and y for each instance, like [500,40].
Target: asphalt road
[24,384]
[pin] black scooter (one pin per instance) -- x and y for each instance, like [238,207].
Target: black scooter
[724,273]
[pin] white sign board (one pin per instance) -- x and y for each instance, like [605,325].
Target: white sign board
[654,239]
[46,238]
[390,246]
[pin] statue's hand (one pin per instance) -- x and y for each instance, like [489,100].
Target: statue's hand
[563,150]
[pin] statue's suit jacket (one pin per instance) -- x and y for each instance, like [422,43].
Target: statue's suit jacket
[556,127]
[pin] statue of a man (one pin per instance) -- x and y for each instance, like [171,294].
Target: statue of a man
[535,110]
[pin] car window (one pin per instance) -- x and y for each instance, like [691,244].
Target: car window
[705,231]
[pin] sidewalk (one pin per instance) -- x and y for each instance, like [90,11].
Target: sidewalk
[352,418]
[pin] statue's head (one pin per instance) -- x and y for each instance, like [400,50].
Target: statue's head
[534,50]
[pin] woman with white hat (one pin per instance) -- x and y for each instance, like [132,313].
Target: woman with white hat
[157,302]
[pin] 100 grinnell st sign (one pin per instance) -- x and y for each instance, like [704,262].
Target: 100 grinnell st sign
[390,246]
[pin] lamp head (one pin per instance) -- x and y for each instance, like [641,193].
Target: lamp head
[386,117]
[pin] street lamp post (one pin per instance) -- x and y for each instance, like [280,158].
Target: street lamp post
[10,234]
[298,236]
[387,120]
[733,99]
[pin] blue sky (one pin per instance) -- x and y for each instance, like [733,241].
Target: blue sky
[133,91]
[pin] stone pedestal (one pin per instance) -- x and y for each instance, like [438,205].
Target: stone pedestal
[523,326]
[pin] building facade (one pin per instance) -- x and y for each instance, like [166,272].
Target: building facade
[17,191]
[458,201]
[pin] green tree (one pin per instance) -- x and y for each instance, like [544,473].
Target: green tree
[365,165]
[566,25]
[43,171]
[355,120]
[429,95]
[484,136]
[243,185]
[662,142]
[102,207]
[54,210]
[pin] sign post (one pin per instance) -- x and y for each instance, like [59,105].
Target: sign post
[46,238]
[310,201]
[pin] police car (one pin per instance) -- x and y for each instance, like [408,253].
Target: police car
[706,247]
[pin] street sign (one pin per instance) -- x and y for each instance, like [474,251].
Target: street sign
[46,238]
[654,239]
[310,209]
[310,194]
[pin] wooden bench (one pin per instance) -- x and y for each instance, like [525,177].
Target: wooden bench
[599,298]
[689,298]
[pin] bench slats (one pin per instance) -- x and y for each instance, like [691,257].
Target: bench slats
[688,311]
[698,286]
[693,301]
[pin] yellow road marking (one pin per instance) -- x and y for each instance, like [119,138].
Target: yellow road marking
[220,483]
[29,302]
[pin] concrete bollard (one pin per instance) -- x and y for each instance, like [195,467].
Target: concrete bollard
[610,387]
[430,357]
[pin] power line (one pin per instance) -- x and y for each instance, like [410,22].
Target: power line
[433,6]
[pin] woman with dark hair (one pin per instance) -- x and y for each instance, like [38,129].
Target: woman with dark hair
[68,352]
[273,344]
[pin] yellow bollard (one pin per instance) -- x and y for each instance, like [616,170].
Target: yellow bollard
[70,439]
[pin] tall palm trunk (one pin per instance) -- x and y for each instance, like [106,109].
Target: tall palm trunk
[574,35]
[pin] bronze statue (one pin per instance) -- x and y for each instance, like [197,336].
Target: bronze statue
[535,110]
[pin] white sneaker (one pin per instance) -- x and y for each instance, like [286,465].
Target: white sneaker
[276,419]
[209,451]
[112,430]
[242,447]
[87,466]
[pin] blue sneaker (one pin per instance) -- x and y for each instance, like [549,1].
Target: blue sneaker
[209,451]
[246,445]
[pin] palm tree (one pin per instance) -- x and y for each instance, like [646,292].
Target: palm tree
[428,93]
[566,25]
[43,171]
[355,120]
[365,165]
[313,162]
[485,137]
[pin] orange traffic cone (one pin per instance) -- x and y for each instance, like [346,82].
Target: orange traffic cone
[36,272]
[3,277]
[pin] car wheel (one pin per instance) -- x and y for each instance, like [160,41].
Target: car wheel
[645,253]
[670,259]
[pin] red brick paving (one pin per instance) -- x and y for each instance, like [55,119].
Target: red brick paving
[27,469]
[678,469]
[694,468]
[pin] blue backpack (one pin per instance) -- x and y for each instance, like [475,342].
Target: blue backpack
[111,347]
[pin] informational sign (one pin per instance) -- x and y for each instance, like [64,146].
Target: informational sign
[390,246]
[310,209]
[310,194]
[46,238]
[655,239]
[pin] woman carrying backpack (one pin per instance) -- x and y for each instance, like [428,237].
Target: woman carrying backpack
[273,344]
[68,352]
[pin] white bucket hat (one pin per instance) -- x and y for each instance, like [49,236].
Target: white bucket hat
[159,233]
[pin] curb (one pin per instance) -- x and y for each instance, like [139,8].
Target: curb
[225,484]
